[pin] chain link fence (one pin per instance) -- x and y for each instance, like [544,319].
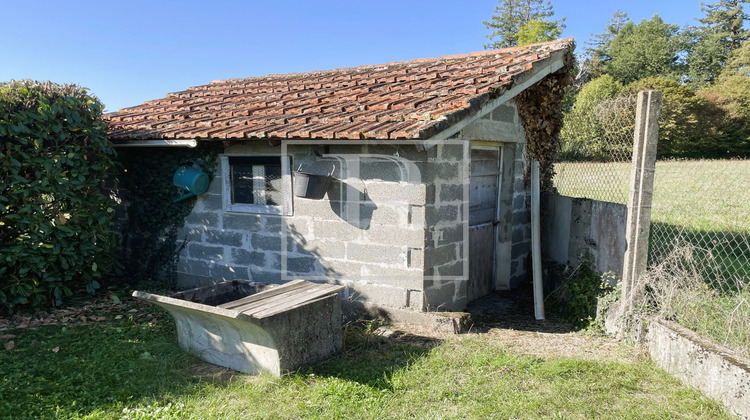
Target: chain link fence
[699,252]
[596,151]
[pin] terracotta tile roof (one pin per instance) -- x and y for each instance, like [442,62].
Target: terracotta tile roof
[410,99]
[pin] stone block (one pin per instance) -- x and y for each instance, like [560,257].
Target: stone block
[244,257]
[220,237]
[451,233]
[319,247]
[221,272]
[444,213]
[454,269]
[451,193]
[440,297]
[202,219]
[379,294]
[415,300]
[521,217]
[315,209]
[445,172]
[261,242]
[451,152]
[199,267]
[415,258]
[206,252]
[371,253]
[392,276]
[519,235]
[441,255]
[264,275]
[387,214]
[212,202]
[504,113]
[298,226]
[191,234]
[519,201]
[243,222]
[272,223]
[409,237]
[416,216]
[520,250]
[336,230]
[301,264]
[397,192]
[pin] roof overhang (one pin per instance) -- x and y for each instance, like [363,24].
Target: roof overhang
[157,143]
[539,71]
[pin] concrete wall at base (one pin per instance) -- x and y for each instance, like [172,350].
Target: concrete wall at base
[717,372]
[574,226]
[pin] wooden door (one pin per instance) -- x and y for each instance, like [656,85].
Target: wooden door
[483,201]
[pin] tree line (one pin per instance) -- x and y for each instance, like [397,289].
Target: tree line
[702,70]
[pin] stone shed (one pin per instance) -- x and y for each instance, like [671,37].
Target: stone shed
[427,208]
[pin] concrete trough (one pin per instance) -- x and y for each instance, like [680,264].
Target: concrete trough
[257,327]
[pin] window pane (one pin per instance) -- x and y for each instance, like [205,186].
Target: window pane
[257,184]
[242,184]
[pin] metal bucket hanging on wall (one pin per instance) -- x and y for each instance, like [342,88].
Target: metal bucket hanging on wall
[192,179]
[312,186]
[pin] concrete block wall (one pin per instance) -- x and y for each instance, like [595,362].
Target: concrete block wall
[367,233]
[446,215]
[521,219]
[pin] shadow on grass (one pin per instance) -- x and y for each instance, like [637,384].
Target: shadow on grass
[69,371]
[371,358]
[514,309]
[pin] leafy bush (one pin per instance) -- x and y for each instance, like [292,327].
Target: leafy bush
[56,222]
[585,129]
[576,300]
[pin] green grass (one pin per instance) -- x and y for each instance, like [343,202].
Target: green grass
[133,368]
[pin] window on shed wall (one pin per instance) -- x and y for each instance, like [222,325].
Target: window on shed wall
[257,184]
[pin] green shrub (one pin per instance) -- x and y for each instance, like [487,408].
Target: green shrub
[56,222]
[589,127]
[151,240]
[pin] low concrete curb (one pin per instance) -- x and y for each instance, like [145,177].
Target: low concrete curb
[717,372]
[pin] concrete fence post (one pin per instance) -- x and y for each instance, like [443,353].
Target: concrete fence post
[641,191]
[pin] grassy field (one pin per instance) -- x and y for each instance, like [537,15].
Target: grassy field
[125,363]
[701,211]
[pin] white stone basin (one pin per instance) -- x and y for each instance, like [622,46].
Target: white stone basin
[255,327]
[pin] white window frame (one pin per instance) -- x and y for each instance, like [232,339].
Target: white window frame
[285,209]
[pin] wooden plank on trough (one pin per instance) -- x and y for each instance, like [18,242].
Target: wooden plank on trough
[264,294]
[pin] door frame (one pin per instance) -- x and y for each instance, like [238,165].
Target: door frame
[495,230]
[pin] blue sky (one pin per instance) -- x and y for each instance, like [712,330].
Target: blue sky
[128,52]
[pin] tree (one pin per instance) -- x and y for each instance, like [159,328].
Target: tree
[510,16]
[731,93]
[597,53]
[538,31]
[685,129]
[709,45]
[648,49]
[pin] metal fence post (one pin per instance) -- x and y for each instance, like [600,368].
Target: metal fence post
[641,191]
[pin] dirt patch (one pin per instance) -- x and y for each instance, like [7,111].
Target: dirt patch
[100,309]
[508,318]
[206,372]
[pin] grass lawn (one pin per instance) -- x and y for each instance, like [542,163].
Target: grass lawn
[124,362]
